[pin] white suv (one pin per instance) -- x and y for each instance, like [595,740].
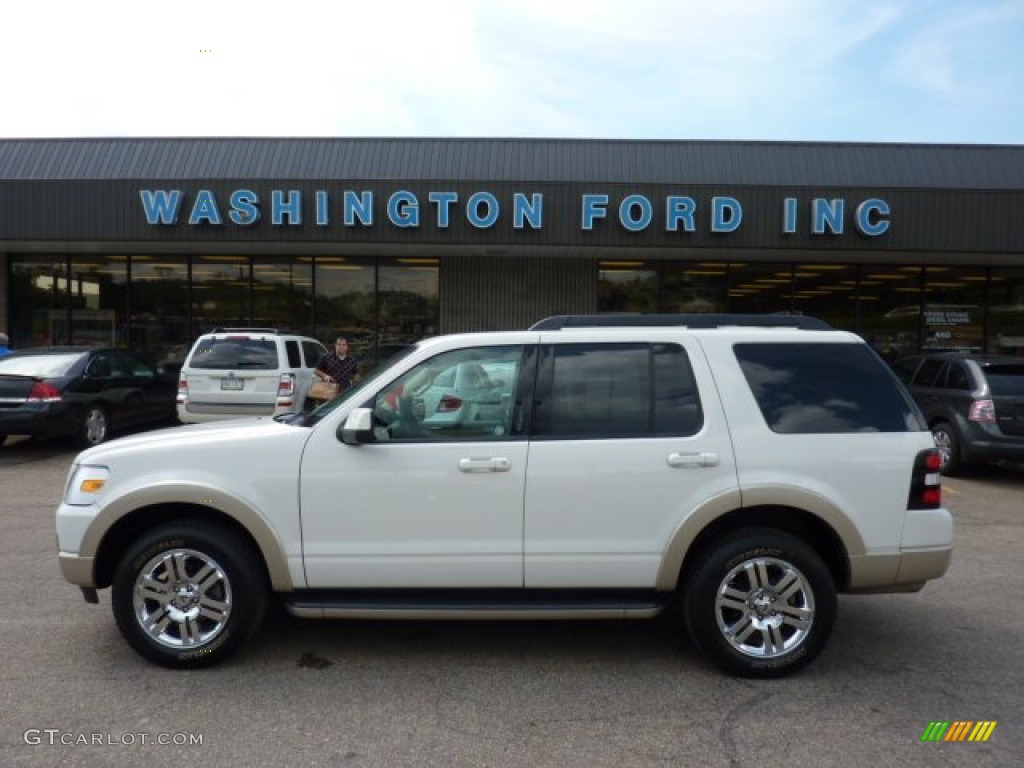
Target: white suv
[236,372]
[740,471]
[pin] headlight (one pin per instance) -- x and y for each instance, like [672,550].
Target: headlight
[86,485]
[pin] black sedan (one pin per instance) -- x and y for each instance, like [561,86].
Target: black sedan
[82,392]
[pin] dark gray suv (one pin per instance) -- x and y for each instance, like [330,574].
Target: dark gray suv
[974,405]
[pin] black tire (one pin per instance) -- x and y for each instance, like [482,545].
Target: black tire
[756,566]
[205,611]
[948,443]
[94,427]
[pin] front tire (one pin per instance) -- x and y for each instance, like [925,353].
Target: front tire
[188,595]
[759,603]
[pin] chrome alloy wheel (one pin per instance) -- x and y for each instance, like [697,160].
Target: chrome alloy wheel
[94,428]
[764,607]
[182,598]
[944,444]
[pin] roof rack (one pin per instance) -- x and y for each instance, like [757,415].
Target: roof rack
[611,320]
[234,329]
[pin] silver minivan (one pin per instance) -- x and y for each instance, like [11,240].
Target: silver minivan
[236,372]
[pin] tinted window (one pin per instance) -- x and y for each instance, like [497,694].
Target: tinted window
[291,348]
[235,352]
[957,377]
[617,390]
[824,388]
[905,368]
[312,352]
[1006,379]
[928,374]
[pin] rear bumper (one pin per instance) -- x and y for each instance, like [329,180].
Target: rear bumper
[924,554]
[37,423]
[199,413]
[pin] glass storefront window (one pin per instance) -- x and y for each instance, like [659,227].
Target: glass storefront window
[220,292]
[890,312]
[627,286]
[408,304]
[39,289]
[159,322]
[345,303]
[1006,312]
[99,300]
[282,294]
[827,291]
[694,288]
[762,288]
[954,309]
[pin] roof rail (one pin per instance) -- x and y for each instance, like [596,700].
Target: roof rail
[247,330]
[611,320]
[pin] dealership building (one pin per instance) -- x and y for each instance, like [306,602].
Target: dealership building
[146,243]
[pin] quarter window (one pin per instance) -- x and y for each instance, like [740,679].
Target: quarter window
[825,388]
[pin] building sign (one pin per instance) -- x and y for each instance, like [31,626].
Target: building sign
[482,210]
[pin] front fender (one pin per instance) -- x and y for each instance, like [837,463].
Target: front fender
[266,537]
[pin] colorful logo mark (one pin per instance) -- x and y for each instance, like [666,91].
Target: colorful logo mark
[958,730]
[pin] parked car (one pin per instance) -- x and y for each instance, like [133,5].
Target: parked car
[973,403]
[231,373]
[739,471]
[87,392]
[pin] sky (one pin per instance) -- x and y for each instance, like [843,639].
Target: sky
[923,71]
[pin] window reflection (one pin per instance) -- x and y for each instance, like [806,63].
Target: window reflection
[39,291]
[1006,312]
[220,292]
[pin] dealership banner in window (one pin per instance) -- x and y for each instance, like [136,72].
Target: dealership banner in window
[952,327]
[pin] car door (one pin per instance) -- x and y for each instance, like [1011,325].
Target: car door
[156,391]
[629,439]
[423,506]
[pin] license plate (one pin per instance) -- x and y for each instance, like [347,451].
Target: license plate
[232,384]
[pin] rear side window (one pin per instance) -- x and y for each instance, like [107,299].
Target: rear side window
[234,352]
[1006,380]
[825,388]
[617,390]
[291,348]
[312,352]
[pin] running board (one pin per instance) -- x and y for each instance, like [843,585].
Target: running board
[476,605]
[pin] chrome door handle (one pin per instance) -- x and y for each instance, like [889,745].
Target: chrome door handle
[490,464]
[697,459]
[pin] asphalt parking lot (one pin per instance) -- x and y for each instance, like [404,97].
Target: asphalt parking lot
[501,694]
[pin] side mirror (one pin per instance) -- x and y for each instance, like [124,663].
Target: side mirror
[358,428]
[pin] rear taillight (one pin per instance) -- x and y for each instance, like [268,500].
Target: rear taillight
[926,481]
[449,404]
[983,410]
[286,385]
[42,392]
[182,390]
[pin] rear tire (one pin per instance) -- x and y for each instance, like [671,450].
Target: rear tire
[188,595]
[94,426]
[948,443]
[759,603]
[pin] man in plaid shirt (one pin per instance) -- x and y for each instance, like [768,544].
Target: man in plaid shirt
[338,365]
